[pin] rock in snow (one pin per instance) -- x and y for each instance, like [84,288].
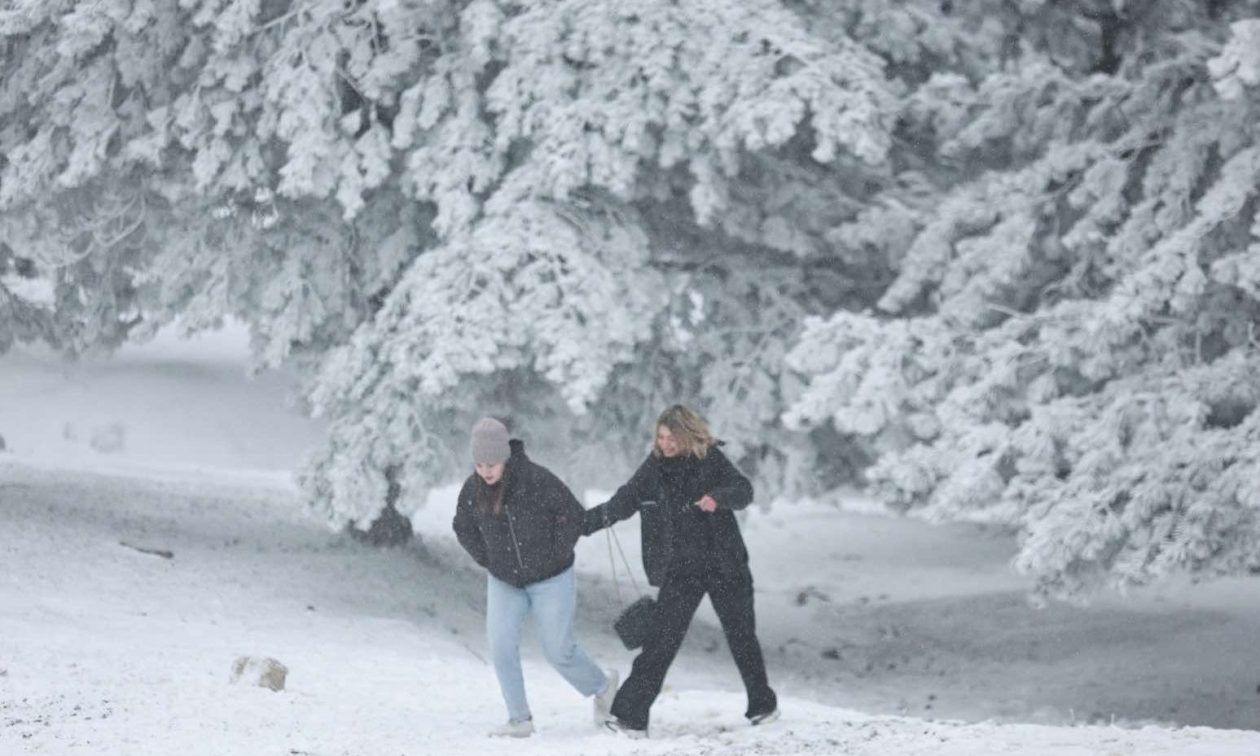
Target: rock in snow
[262,671]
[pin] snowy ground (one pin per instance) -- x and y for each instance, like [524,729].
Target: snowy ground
[882,636]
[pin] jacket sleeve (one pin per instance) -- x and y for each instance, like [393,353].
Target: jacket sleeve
[465,525]
[624,503]
[567,512]
[731,489]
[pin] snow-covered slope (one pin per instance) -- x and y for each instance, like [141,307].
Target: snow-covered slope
[168,407]
[108,649]
[868,622]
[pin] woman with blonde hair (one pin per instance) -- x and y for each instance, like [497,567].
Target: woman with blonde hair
[686,493]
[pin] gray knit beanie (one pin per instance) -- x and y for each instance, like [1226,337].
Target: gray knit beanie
[490,442]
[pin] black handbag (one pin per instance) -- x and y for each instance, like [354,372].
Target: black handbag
[637,622]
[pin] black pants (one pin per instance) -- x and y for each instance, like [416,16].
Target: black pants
[731,591]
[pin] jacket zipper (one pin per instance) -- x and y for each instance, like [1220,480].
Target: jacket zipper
[515,544]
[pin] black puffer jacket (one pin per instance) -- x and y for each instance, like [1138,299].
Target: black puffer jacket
[533,538]
[676,533]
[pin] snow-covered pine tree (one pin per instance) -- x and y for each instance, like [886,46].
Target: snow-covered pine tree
[207,191]
[1017,240]
[636,200]
[624,196]
[1066,345]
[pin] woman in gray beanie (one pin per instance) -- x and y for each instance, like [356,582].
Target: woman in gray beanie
[520,522]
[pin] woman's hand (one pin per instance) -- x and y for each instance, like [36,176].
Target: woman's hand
[707,503]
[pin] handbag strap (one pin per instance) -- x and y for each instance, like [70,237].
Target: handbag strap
[612,538]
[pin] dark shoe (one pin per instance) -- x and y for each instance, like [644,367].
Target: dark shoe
[764,718]
[619,727]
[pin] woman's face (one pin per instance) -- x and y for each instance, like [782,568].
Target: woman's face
[666,442]
[491,474]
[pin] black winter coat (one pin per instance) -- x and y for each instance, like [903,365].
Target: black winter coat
[533,538]
[677,535]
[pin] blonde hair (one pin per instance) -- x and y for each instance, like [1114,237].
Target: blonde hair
[688,429]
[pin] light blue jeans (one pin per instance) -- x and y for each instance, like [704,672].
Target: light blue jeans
[552,603]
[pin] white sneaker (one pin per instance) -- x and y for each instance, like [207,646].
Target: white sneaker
[603,700]
[515,728]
